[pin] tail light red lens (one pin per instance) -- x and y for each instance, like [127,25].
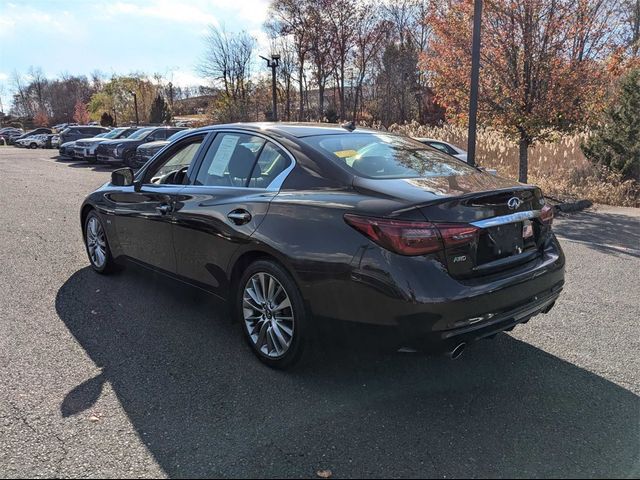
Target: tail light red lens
[546,215]
[412,238]
[454,234]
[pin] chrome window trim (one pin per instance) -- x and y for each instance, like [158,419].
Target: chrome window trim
[277,182]
[504,219]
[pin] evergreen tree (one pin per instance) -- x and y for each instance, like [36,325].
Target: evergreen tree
[616,143]
[106,120]
[160,111]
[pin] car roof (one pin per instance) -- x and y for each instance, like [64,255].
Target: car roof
[425,139]
[295,129]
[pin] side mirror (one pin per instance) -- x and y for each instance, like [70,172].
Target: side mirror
[123,177]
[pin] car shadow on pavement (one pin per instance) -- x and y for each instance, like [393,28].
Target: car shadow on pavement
[602,230]
[204,406]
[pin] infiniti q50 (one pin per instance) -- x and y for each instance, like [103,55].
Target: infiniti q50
[297,223]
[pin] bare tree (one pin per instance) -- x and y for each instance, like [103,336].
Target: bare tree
[342,15]
[371,32]
[227,61]
[284,47]
[629,14]
[320,47]
[21,103]
[291,18]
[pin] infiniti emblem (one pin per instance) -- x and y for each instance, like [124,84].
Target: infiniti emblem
[514,203]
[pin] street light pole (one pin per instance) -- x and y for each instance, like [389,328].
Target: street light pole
[273,63]
[475,74]
[135,104]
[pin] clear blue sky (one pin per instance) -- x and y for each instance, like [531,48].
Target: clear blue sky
[80,36]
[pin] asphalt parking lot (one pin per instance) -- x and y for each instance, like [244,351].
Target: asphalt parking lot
[133,375]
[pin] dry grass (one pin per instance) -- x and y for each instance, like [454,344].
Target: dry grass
[558,167]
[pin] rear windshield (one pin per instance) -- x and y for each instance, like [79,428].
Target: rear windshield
[383,155]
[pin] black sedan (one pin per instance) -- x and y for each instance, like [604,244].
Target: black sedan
[147,150]
[123,151]
[299,224]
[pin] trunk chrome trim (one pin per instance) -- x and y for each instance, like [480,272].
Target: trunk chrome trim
[504,219]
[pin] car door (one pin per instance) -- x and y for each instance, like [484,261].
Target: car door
[144,213]
[224,203]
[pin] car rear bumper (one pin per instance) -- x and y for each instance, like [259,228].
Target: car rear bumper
[425,304]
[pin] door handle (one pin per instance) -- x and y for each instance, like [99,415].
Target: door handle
[164,208]
[239,216]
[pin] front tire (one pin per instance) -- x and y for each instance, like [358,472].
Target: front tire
[272,314]
[33,145]
[95,240]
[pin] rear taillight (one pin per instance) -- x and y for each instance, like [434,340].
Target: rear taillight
[546,215]
[412,238]
[454,234]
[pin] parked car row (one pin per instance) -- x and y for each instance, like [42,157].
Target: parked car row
[11,135]
[118,146]
[33,141]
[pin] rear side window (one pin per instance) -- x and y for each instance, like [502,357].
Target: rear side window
[230,160]
[386,156]
[271,163]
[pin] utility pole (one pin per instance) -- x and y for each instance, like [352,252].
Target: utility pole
[135,104]
[475,74]
[273,63]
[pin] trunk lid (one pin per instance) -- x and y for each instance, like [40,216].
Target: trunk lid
[506,214]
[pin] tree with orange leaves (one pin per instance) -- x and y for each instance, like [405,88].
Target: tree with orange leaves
[80,113]
[542,67]
[41,119]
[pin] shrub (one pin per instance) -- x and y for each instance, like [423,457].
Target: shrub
[616,143]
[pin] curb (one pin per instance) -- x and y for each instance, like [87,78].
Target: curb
[577,206]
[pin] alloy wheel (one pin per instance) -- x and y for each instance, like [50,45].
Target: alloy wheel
[96,242]
[268,315]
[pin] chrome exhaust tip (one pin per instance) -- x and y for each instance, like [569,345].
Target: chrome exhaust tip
[457,351]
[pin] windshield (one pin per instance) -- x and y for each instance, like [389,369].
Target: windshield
[384,155]
[139,134]
[176,135]
[112,134]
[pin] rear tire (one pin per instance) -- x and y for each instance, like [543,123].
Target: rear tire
[272,314]
[97,245]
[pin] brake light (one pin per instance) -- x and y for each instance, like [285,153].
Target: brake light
[405,238]
[454,234]
[546,215]
[412,238]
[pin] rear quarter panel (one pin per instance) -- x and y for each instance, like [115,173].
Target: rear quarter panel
[306,231]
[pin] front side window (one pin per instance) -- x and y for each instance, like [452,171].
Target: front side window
[386,156]
[173,169]
[230,160]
